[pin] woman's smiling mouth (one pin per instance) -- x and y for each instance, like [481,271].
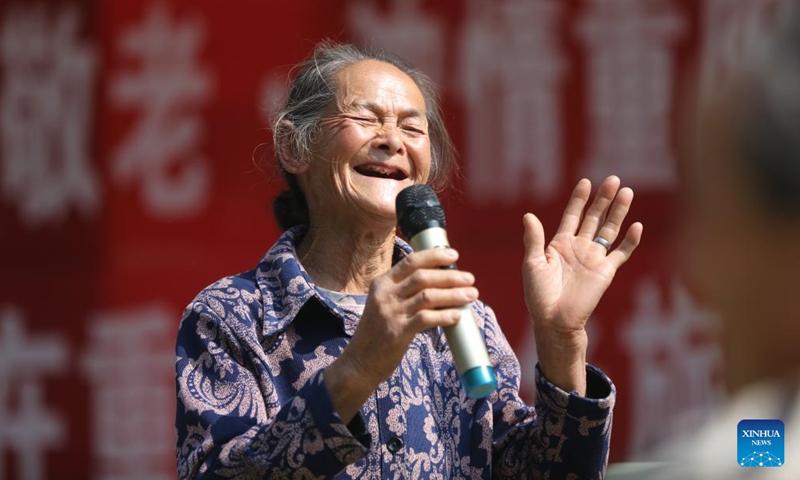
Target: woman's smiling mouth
[380,170]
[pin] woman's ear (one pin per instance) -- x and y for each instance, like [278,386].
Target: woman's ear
[289,158]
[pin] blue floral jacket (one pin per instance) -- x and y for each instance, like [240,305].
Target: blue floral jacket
[252,401]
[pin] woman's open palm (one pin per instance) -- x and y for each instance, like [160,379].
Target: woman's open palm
[565,279]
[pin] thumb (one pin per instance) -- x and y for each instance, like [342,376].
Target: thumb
[534,237]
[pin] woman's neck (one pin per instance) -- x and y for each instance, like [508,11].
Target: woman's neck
[346,259]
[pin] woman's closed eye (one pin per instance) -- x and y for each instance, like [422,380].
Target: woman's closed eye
[363,119]
[414,130]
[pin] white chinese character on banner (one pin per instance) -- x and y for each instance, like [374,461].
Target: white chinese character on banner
[130,365]
[27,427]
[675,364]
[45,115]
[407,31]
[630,75]
[511,68]
[168,89]
[731,29]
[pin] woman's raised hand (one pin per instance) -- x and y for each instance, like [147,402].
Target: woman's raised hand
[565,279]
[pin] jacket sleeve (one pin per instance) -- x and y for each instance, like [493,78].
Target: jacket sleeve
[225,426]
[566,436]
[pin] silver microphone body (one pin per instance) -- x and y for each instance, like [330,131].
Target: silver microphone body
[465,338]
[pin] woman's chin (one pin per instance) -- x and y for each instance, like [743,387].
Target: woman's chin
[381,190]
[380,201]
[383,214]
[376,214]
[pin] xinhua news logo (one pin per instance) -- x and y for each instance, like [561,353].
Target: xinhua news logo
[760,443]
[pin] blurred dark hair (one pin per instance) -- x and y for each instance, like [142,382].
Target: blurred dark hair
[771,130]
[312,89]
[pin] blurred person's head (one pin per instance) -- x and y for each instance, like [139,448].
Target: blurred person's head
[742,241]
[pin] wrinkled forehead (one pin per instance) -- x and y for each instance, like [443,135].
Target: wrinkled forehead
[378,84]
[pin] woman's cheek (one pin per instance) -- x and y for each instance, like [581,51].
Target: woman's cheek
[420,151]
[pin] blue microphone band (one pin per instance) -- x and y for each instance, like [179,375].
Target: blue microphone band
[479,382]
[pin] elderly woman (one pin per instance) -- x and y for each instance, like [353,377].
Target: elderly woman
[328,359]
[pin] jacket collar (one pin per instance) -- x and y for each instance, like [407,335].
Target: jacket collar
[286,286]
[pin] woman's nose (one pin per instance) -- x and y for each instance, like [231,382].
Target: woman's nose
[389,140]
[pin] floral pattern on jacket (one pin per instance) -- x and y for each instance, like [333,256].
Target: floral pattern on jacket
[252,401]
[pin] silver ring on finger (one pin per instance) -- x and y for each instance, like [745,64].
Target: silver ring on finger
[602,241]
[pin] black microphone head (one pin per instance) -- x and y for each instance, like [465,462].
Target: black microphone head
[418,208]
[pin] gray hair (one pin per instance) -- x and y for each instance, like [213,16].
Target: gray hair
[771,129]
[314,88]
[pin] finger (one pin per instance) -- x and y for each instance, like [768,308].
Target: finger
[431,258]
[572,214]
[425,319]
[597,210]
[533,237]
[434,298]
[616,215]
[434,278]
[632,239]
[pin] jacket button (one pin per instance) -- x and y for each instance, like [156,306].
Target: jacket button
[394,445]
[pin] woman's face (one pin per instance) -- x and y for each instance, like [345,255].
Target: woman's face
[373,143]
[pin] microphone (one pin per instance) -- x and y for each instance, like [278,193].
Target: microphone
[421,219]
